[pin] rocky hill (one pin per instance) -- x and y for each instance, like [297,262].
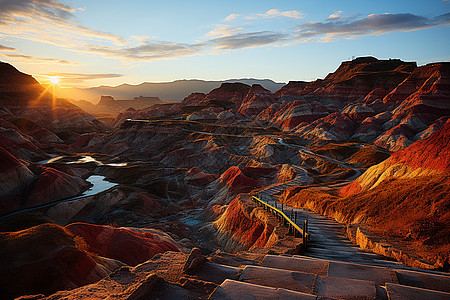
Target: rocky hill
[403,197]
[167,209]
[32,118]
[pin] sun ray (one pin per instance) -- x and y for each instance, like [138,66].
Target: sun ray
[54,79]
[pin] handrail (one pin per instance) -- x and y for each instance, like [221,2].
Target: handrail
[291,224]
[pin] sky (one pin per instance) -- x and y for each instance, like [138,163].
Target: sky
[110,42]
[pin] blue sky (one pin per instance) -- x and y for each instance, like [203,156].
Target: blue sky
[90,43]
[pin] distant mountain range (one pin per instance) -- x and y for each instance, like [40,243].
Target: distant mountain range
[174,91]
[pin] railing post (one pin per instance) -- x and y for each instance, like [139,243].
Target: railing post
[295,217]
[305,226]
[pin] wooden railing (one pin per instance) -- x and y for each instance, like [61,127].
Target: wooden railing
[292,226]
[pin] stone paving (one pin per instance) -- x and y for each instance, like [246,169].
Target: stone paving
[301,277]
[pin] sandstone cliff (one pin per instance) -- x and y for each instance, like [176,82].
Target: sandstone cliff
[244,226]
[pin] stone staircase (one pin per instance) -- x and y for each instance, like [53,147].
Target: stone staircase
[327,239]
[301,277]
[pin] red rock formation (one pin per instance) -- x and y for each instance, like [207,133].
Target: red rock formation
[244,225]
[236,181]
[195,176]
[125,244]
[41,134]
[355,79]
[54,185]
[193,99]
[293,88]
[14,179]
[17,88]
[87,142]
[291,114]
[424,157]
[369,129]
[17,143]
[431,80]
[334,127]
[43,260]
[430,100]
[358,112]
[395,138]
[431,153]
[256,100]
[227,91]
[255,172]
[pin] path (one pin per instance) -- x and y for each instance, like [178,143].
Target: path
[309,152]
[300,277]
[327,240]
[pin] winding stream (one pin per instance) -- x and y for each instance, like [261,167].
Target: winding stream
[99,184]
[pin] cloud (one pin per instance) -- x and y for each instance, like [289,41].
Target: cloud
[140,38]
[335,15]
[148,51]
[248,40]
[224,30]
[231,17]
[69,79]
[54,23]
[374,24]
[84,76]
[273,13]
[38,60]
[8,49]
[48,21]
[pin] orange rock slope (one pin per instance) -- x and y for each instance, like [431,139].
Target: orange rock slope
[131,246]
[245,226]
[406,198]
[424,157]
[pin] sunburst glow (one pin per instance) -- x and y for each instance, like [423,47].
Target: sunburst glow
[54,79]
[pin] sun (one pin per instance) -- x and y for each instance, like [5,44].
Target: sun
[54,79]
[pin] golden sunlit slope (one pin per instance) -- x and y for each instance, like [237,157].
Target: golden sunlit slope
[406,197]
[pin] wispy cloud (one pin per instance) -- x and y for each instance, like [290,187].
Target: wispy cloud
[248,40]
[224,30]
[7,49]
[148,51]
[335,15]
[231,17]
[375,24]
[273,13]
[48,21]
[84,76]
[52,22]
[140,37]
[77,78]
[38,60]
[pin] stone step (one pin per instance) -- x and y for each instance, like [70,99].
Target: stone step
[343,288]
[379,275]
[402,292]
[236,290]
[438,282]
[278,278]
[323,286]
[300,264]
